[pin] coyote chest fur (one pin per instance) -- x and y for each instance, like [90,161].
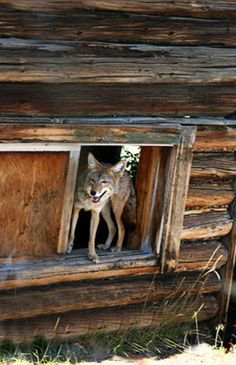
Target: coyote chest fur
[100,189]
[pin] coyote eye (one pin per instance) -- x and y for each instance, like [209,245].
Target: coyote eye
[105,181]
[92,181]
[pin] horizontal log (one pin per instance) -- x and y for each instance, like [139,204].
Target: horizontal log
[216,140]
[45,120]
[208,225]
[120,100]
[23,272]
[24,60]
[210,122]
[20,273]
[93,134]
[205,8]
[214,165]
[158,131]
[85,25]
[104,294]
[204,194]
[70,326]
[201,255]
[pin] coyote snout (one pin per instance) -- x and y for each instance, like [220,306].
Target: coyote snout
[102,188]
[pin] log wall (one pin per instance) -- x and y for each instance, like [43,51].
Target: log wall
[158,59]
[61,62]
[69,326]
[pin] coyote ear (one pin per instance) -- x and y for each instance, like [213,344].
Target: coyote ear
[92,162]
[119,167]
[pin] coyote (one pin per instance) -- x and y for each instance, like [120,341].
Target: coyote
[102,188]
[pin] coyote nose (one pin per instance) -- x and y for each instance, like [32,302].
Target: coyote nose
[93,193]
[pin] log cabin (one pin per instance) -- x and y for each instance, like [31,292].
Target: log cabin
[99,75]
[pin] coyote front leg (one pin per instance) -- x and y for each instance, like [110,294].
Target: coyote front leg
[121,233]
[118,207]
[106,213]
[93,230]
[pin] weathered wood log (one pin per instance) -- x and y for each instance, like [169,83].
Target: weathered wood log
[66,62]
[206,8]
[204,194]
[169,235]
[75,267]
[70,326]
[191,254]
[118,99]
[85,25]
[104,294]
[216,140]
[45,120]
[208,225]
[228,271]
[124,131]
[23,272]
[214,165]
[95,134]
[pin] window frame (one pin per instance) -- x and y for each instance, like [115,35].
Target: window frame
[69,137]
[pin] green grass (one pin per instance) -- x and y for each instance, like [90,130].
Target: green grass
[169,337]
[157,342]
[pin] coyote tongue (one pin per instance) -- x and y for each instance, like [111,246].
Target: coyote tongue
[96,199]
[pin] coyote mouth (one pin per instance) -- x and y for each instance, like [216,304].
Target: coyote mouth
[96,199]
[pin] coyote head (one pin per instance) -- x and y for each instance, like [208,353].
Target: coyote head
[102,181]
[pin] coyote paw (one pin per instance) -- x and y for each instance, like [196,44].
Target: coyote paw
[70,246]
[115,249]
[94,257]
[102,246]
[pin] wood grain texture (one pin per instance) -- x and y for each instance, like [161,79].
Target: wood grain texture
[213,252]
[210,122]
[69,60]
[208,225]
[35,61]
[161,185]
[104,294]
[196,256]
[31,202]
[216,140]
[149,190]
[144,131]
[68,201]
[204,8]
[117,100]
[87,25]
[228,271]
[177,181]
[213,165]
[116,130]
[203,194]
[70,326]
[93,134]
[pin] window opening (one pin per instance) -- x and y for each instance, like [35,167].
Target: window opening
[108,156]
